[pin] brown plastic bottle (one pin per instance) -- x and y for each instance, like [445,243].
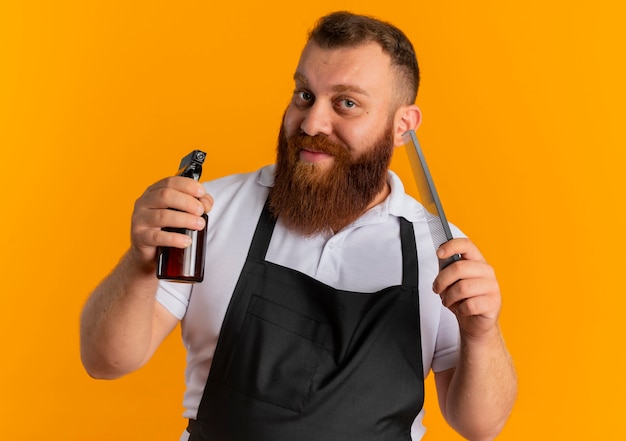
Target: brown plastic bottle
[186,264]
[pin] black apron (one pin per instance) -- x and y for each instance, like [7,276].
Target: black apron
[297,360]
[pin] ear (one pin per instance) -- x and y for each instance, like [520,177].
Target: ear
[406,118]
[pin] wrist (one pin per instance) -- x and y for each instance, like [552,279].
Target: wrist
[487,338]
[137,262]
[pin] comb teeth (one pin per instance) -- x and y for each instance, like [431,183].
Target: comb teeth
[436,229]
[433,210]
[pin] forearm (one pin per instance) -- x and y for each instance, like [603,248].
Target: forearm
[483,388]
[117,320]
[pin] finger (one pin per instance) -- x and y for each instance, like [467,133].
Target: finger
[167,197]
[154,237]
[462,246]
[148,225]
[469,288]
[207,202]
[182,184]
[166,218]
[175,192]
[463,269]
[486,306]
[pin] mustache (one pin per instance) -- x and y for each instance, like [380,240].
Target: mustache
[316,143]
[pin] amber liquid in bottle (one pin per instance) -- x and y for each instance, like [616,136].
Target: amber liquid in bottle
[185,264]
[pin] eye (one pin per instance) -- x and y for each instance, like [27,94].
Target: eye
[304,95]
[302,98]
[346,104]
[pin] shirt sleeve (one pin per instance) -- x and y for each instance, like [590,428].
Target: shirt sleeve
[448,342]
[174,297]
[448,335]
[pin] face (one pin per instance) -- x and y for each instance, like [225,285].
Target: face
[336,140]
[344,94]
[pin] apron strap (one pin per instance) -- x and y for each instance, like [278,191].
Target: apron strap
[409,255]
[262,234]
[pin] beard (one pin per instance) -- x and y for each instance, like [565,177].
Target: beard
[312,199]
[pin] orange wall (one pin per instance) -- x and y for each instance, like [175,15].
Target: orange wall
[521,103]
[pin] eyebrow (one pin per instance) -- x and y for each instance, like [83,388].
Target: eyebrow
[338,88]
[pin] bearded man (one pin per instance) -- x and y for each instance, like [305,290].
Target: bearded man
[322,308]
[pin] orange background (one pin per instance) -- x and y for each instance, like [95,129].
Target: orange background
[521,105]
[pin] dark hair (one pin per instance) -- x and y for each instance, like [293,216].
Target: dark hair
[345,29]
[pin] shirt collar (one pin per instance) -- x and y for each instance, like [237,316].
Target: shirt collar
[266,179]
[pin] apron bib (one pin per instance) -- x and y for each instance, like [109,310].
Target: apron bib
[298,360]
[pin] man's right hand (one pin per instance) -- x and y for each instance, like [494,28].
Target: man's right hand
[175,202]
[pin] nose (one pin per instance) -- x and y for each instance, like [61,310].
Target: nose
[317,119]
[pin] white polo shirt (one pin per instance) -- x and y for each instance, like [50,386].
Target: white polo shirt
[363,257]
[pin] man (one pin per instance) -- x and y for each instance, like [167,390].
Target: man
[318,317]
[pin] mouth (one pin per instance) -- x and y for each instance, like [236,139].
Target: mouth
[314,156]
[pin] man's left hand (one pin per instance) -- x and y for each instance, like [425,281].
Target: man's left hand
[469,288]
